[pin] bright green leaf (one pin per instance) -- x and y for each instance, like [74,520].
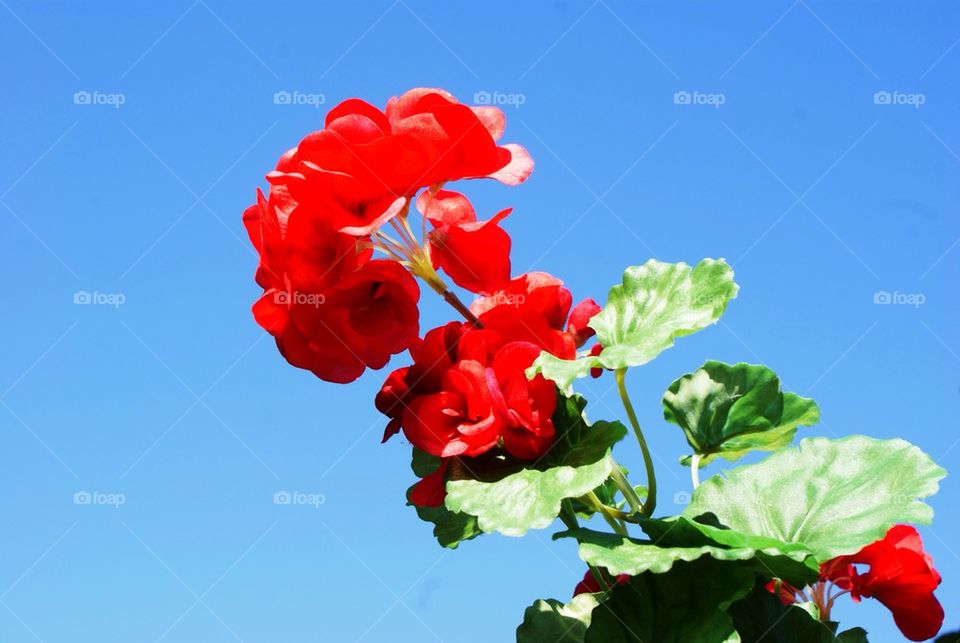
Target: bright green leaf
[729,410]
[655,303]
[528,499]
[550,621]
[562,372]
[620,555]
[531,498]
[788,561]
[833,496]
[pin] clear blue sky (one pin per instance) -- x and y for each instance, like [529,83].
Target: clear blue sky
[175,399]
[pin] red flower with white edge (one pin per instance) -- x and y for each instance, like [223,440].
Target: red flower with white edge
[476,254]
[332,309]
[362,167]
[458,141]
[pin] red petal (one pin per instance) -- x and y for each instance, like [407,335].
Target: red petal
[517,169]
[357,106]
[492,118]
[431,490]
[446,208]
[476,256]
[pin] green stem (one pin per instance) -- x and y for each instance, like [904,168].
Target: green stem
[695,470]
[629,493]
[609,514]
[569,518]
[651,502]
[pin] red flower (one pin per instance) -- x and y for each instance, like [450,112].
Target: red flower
[579,316]
[590,585]
[331,309]
[431,490]
[901,576]
[532,308]
[467,391]
[786,592]
[457,141]
[476,254]
[360,169]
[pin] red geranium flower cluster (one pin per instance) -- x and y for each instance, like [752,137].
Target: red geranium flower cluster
[332,308]
[467,392]
[900,575]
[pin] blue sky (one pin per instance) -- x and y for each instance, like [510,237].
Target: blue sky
[165,394]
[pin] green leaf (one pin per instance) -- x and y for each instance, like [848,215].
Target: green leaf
[577,442]
[450,528]
[729,410]
[656,303]
[853,635]
[685,605]
[528,499]
[833,496]
[761,618]
[531,498]
[563,372]
[791,562]
[951,637]
[551,621]
[620,555]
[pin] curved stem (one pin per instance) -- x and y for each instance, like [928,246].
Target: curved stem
[695,470]
[609,514]
[651,502]
[569,518]
[629,493]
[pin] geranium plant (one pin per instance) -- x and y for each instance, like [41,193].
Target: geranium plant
[361,210]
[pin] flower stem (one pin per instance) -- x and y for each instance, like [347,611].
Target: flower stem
[616,474]
[651,502]
[695,470]
[611,515]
